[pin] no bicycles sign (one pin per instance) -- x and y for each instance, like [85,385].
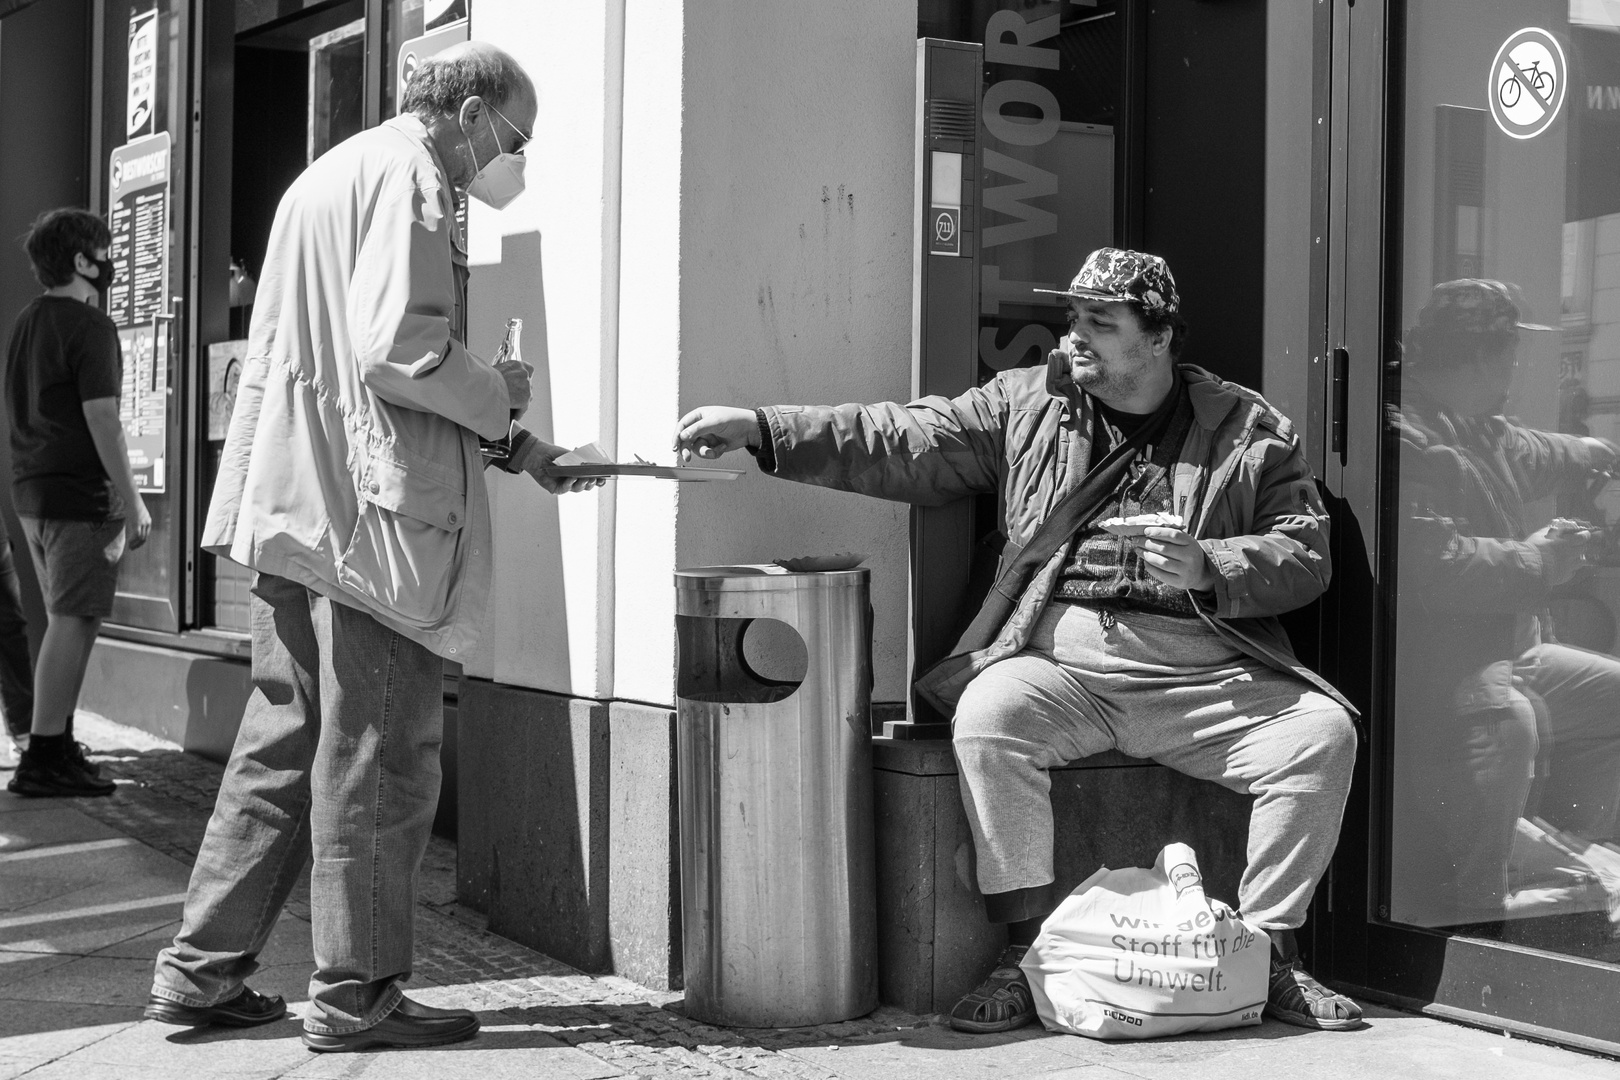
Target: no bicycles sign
[1527,83]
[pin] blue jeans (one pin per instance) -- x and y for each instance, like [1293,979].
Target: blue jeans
[337,757]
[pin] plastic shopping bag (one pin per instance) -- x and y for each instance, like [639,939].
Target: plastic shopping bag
[1134,954]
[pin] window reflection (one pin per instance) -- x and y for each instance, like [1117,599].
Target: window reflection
[1503,410]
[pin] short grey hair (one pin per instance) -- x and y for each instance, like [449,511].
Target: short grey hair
[438,86]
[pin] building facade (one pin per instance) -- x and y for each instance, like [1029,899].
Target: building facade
[727,204]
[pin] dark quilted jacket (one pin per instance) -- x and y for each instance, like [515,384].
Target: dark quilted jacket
[1241,480]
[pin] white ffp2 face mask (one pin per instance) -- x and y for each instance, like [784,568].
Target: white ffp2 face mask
[499,182]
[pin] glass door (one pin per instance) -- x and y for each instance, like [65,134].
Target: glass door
[143,145]
[1481,396]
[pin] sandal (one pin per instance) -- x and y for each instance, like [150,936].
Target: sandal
[1295,997]
[1001,1003]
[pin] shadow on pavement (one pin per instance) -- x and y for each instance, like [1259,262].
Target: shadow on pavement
[658,1027]
[202,1036]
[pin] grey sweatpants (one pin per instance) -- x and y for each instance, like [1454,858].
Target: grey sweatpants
[1163,688]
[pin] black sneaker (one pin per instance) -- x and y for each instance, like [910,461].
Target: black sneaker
[62,778]
[79,754]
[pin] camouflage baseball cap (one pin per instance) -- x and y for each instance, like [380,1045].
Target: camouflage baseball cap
[1475,306]
[1130,277]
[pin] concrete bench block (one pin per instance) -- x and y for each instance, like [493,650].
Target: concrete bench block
[1111,810]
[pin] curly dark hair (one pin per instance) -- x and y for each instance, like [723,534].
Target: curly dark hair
[1153,322]
[439,85]
[58,235]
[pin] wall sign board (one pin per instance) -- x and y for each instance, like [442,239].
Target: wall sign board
[142,96]
[415,50]
[138,176]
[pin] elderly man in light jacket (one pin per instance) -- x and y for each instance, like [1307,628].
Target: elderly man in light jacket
[352,481]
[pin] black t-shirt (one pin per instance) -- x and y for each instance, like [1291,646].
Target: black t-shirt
[63,352]
[1124,423]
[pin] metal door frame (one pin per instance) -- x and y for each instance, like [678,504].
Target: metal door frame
[1357,227]
[166,613]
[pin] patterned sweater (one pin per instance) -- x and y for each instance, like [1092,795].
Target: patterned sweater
[1106,571]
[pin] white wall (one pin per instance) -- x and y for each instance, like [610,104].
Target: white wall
[796,265]
[762,254]
[650,337]
[543,258]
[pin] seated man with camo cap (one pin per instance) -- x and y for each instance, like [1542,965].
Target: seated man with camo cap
[1157,520]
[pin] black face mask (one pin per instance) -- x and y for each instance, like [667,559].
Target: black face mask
[104,275]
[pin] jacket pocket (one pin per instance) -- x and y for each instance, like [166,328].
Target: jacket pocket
[404,552]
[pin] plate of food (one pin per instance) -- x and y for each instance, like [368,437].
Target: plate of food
[1137,524]
[641,468]
[591,461]
[821,564]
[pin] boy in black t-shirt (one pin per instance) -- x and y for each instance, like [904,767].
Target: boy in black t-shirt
[71,480]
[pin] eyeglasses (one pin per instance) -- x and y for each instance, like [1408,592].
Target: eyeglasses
[523,140]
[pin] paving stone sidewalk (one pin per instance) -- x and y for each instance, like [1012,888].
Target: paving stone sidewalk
[90,889]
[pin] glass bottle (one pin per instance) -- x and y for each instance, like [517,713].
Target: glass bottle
[511,349]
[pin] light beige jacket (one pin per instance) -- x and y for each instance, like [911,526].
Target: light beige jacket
[351,464]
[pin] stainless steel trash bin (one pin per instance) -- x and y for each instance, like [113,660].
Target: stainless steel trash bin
[775,777]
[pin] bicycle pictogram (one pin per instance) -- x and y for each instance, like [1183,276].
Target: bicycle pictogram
[1541,83]
[1528,83]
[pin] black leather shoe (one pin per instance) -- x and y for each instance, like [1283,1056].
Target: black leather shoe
[247,1009]
[410,1024]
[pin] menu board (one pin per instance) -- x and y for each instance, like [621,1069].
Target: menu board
[138,300]
[143,404]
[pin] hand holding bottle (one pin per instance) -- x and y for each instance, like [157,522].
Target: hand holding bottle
[509,363]
[517,375]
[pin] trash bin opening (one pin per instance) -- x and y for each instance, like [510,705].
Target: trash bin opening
[748,661]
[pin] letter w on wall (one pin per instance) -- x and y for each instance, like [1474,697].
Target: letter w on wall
[1011,200]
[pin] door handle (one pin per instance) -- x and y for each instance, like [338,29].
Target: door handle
[167,321]
[1341,401]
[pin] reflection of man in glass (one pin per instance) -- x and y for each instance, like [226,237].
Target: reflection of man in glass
[1520,727]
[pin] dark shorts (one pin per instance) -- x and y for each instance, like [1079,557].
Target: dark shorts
[77,563]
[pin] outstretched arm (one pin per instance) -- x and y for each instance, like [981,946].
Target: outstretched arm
[928,452]
[714,430]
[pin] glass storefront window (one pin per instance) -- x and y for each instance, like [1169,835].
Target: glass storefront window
[144,130]
[1051,101]
[1502,416]
[337,86]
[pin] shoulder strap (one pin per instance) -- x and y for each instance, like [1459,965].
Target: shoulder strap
[1066,517]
